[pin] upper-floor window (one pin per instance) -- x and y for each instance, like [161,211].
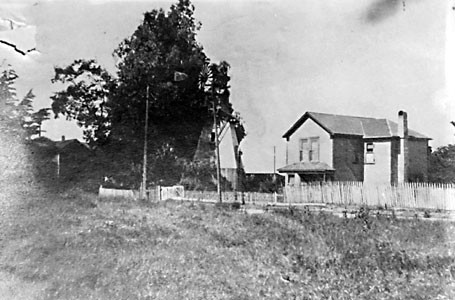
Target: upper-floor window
[309,149]
[369,153]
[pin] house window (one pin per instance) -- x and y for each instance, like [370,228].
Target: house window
[369,155]
[314,149]
[291,179]
[356,158]
[309,149]
[303,150]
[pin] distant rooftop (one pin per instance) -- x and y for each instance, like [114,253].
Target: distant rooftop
[60,145]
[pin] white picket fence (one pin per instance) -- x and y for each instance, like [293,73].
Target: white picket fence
[117,193]
[243,197]
[153,194]
[172,192]
[405,195]
[128,194]
[178,192]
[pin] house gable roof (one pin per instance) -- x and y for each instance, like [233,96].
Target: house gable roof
[43,141]
[350,125]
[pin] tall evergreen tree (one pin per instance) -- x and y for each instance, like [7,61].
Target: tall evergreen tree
[14,158]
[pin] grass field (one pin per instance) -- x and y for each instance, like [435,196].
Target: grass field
[70,246]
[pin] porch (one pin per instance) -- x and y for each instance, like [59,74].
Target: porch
[301,172]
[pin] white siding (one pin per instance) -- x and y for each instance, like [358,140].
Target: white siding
[227,155]
[379,171]
[307,130]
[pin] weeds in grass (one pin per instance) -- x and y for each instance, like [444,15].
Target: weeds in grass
[175,250]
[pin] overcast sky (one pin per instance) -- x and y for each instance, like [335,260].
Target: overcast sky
[361,57]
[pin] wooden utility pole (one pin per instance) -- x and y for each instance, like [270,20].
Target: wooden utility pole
[217,151]
[144,166]
[274,166]
[58,165]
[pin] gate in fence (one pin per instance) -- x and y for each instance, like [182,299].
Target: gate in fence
[171,192]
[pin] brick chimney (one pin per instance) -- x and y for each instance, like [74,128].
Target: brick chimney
[403,156]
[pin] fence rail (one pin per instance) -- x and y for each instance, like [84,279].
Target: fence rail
[405,195]
[117,193]
[246,197]
[177,192]
[151,194]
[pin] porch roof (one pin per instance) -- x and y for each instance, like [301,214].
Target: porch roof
[307,168]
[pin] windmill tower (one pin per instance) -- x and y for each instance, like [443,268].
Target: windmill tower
[219,142]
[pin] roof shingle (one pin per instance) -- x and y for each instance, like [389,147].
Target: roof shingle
[350,125]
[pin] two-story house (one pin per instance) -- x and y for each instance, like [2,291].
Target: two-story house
[327,147]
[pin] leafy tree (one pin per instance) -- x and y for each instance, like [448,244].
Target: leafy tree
[160,63]
[442,165]
[198,176]
[86,97]
[165,43]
